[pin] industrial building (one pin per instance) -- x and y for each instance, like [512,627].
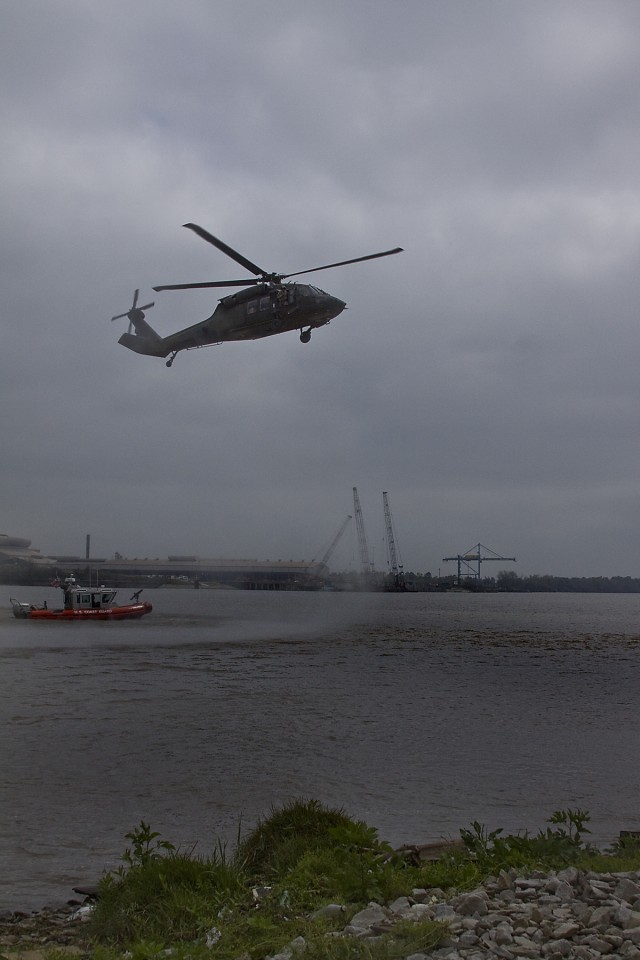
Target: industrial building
[16,549]
[242,574]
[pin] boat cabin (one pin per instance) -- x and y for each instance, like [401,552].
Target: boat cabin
[82,599]
[86,598]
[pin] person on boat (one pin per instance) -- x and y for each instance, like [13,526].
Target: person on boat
[67,587]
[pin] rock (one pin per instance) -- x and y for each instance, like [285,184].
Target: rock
[626,918]
[601,917]
[331,911]
[571,914]
[627,889]
[420,911]
[362,924]
[89,890]
[599,944]
[296,946]
[400,907]
[564,891]
[566,930]
[471,904]
[418,853]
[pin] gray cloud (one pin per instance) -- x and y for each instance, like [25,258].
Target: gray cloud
[487,377]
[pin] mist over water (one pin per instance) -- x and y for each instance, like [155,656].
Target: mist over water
[417,713]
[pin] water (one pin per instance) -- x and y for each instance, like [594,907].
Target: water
[417,713]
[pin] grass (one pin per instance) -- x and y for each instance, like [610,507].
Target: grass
[254,902]
[277,842]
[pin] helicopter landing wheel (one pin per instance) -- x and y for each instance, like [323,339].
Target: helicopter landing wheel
[172,358]
[305,336]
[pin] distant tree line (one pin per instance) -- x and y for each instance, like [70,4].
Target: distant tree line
[509,582]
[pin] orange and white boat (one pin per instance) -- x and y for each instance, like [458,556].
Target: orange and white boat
[83,603]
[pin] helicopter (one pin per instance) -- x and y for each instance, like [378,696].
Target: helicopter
[268,306]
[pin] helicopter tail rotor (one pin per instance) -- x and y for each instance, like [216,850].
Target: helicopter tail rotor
[136,313]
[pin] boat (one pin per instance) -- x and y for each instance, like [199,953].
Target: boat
[83,603]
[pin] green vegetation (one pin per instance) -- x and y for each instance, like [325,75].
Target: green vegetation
[510,582]
[550,848]
[302,857]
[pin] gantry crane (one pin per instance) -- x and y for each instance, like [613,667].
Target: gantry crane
[474,555]
[395,562]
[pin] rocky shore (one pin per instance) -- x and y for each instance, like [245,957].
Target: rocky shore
[556,916]
[569,915]
[31,935]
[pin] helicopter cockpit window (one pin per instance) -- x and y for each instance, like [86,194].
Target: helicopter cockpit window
[265,303]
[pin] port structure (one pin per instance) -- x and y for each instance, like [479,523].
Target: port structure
[474,555]
[365,562]
[393,552]
[334,543]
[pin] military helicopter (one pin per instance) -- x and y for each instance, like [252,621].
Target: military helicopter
[268,306]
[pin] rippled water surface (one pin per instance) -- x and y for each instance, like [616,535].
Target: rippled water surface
[417,713]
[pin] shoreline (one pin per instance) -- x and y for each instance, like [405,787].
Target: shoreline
[573,913]
[33,934]
[532,907]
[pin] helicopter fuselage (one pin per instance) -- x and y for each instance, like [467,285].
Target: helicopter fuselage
[259,311]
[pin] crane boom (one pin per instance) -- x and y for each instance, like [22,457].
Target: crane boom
[362,537]
[394,562]
[334,542]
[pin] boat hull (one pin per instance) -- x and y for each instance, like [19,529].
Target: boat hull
[131,611]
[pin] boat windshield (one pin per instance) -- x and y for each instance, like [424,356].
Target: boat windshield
[93,599]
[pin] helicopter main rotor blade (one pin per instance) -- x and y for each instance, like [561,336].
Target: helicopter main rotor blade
[210,283]
[343,263]
[225,248]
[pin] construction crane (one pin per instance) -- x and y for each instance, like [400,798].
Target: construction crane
[362,537]
[395,562]
[474,555]
[334,543]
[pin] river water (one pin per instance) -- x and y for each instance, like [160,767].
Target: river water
[417,713]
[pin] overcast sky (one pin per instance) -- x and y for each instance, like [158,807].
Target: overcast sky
[487,377]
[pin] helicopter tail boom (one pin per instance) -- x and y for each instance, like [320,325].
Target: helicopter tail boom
[145,340]
[149,346]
